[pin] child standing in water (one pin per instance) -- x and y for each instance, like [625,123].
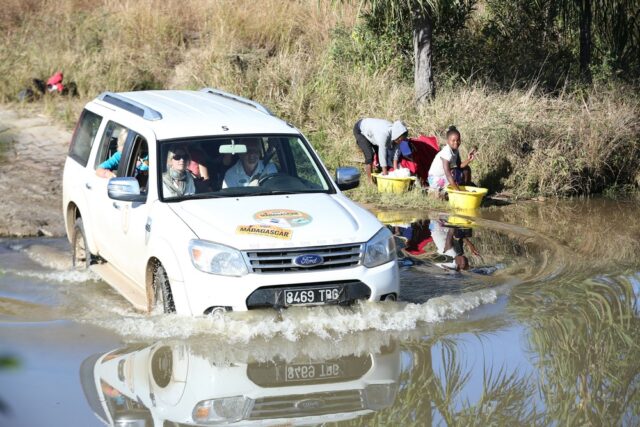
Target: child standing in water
[447,169]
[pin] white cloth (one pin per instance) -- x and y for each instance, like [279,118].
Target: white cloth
[236,176]
[400,173]
[439,235]
[378,132]
[448,154]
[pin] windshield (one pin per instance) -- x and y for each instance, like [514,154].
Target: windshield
[238,166]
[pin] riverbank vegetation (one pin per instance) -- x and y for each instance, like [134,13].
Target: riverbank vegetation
[513,86]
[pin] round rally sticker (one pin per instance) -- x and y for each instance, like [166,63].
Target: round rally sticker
[283,217]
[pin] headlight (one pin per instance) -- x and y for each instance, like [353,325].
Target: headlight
[380,396]
[380,249]
[225,410]
[217,259]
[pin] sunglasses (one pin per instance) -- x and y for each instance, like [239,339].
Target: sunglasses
[179,156]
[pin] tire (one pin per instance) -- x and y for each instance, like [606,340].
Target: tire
[81,258]
[162,290]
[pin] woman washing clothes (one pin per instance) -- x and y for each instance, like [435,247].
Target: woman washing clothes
[447,169]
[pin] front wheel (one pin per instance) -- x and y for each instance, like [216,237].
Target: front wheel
[162,290]
[81,257]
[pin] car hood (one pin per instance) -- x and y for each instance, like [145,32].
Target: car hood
[288,221]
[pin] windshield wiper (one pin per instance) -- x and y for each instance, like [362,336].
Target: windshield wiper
[285,192]
[200,196]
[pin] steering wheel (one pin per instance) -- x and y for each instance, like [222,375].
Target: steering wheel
[267,177]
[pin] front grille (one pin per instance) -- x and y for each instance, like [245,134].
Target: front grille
[301,405]
[281,260]
[277,373]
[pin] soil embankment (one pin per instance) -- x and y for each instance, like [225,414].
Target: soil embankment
[32,155]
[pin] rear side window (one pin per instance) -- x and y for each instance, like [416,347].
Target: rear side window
[83,137]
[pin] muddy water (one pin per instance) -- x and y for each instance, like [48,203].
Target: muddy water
[520,315]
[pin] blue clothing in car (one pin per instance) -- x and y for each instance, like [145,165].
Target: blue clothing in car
[112,163]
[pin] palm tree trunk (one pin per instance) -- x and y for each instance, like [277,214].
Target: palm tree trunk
[585,39]
[423,55]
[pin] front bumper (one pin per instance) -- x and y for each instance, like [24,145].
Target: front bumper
[274,296]
[203,291]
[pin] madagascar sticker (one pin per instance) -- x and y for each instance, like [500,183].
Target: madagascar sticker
[283,218]
[265,230]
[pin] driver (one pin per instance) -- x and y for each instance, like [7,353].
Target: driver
[248,169]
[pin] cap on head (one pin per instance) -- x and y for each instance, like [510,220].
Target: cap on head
[397,130]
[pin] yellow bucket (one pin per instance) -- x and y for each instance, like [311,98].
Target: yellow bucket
[467,198]
[387,184]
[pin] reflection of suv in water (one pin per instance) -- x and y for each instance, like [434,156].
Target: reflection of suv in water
[265,226]
[172,384]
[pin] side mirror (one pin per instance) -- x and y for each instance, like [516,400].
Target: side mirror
[347,178]
[125,189]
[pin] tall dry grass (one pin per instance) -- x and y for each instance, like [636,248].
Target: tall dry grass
[280,53]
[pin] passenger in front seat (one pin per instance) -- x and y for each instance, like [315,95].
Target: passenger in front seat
[177,181]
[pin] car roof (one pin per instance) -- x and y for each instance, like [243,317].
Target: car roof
[185,113]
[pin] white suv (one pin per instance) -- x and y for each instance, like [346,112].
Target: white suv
[217,205]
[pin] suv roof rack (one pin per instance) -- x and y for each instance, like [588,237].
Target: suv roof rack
[237,98]
[130,105]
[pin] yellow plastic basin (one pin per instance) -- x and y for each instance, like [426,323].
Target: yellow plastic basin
[388,184]
[467,198]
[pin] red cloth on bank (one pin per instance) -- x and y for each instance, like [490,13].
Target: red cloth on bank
[424,150]
[55,82]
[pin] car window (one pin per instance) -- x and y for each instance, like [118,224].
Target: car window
[137,165]
[83,137]
[239,166]
[109,146]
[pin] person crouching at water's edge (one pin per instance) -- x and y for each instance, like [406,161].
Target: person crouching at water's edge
[377,135]
[447,169]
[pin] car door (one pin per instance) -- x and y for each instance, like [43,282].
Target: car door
[103,219]
[133,225]
[77,172]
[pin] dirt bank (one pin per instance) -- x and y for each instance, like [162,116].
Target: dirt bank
[32,154]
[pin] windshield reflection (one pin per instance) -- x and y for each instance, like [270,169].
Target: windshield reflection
[239,166]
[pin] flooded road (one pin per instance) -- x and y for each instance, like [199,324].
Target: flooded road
[520,315]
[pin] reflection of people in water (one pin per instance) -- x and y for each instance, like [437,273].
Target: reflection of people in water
[451,242]
[417,236]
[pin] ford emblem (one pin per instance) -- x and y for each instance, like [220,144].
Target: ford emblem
[309,404]
[309,260]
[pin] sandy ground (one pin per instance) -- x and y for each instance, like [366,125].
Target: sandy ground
[32,153]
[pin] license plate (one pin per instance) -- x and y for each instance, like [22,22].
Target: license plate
[312,371]
[311,296]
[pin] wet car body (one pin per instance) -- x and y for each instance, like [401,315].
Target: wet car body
[292,239]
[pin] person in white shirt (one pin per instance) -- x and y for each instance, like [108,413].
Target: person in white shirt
[450,242]
[378,135]
[446,168]
[248,167]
